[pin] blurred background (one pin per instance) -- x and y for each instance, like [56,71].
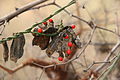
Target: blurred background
[101,12]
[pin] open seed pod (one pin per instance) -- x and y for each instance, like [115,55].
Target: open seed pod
[6,51]
[17,48]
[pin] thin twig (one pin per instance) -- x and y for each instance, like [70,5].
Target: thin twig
[41,74]
[108,69]
[73,67]
[108,57]
[91,65]
[13,14]
[72,15]
[41,6]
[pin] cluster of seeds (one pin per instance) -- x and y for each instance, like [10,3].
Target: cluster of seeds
[40,30]
[66,40]
[69,44]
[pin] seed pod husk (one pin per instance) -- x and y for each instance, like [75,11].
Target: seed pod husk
[6,51]
[17,48]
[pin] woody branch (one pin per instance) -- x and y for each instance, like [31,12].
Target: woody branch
[13,14]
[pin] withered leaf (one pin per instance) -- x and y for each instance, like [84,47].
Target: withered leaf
[17,48]
[6,51]
[41,40]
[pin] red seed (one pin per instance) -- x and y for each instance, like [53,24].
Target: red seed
[70,44]
[73,26]
[40,30]
[60,58]
[68,51]
[45,23]
[66,37]
[50,20]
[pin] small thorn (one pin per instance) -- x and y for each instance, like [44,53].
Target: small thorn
[83,7]
[16,8]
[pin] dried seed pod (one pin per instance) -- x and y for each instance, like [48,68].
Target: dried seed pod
[75,38]
[43,41]
[17,48]
[6,51]
[77,43]
[61,54]
[53,46]
[71,32]
[35,30]
[58,43]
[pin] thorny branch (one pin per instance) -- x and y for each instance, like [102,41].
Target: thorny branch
[13,14]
